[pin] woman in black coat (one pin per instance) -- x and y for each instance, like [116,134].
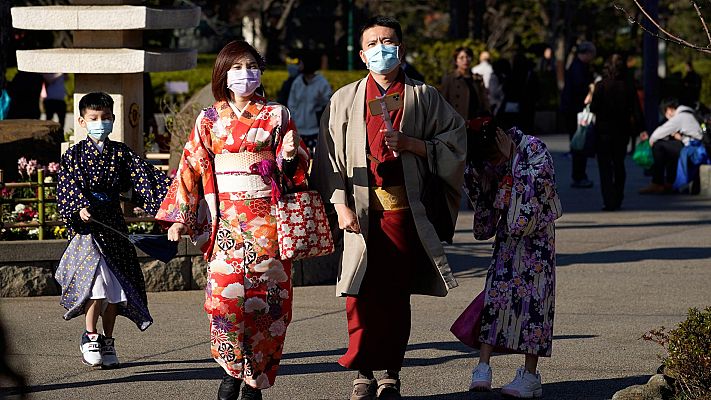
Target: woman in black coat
[617,117]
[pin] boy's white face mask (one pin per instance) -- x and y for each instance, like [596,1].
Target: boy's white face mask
[99,130]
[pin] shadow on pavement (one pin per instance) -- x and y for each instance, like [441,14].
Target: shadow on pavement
[591,225]
[600,389]
[627,256]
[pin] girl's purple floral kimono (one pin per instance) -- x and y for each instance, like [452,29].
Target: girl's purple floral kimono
[520,206]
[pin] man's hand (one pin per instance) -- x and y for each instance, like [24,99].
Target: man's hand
[289,144]
[395,140]
[176,230]
[84,214]
[399,142]
[347,219]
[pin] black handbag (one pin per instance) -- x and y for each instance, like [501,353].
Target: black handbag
[434,199]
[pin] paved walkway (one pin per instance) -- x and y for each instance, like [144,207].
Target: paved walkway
[619,275]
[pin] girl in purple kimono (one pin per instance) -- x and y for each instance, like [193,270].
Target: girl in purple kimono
[510,182]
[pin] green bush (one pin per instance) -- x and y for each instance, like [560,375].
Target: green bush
[688,358]
[434,60]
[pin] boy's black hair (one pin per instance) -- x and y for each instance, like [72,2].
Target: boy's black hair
[668,103]
[96,101]
[381,20]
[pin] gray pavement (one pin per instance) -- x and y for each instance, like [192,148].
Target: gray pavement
[619,274]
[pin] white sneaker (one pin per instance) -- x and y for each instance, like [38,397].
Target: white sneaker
[91,349]
[481,378]
[108,354]
[524,386]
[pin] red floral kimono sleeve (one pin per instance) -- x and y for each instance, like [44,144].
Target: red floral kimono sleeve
[191,197]
[298,179]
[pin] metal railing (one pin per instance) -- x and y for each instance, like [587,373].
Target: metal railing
[42,200]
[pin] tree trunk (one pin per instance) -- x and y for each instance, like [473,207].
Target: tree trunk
[478,23]
[458,19]
[650,62]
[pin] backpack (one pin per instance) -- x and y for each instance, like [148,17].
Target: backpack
[703,117]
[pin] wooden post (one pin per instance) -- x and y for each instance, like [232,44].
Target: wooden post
[40,203]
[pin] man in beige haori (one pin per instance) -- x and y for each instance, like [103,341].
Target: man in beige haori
[375,179]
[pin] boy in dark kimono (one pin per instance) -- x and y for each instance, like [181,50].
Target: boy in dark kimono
[99,271]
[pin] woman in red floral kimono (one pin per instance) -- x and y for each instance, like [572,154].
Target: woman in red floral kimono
[240,154]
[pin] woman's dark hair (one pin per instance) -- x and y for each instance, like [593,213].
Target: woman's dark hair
[98,101]
[481,140]
[227,56]
[460,49]
[380,20]
[615,67]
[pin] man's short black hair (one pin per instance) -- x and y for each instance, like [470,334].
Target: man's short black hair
[96,101]
[668,103]
[380,20]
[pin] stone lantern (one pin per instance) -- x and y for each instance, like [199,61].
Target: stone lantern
[108,53]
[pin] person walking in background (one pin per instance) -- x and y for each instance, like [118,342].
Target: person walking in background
[690,86]
[24,90]
[510,183]
[55,102]
[293,69]
[411,71]
[239,153]
[618,116]
[502,71]
[484,68]
[308,97]
[578,77]
[99,271]
[373,177]
[667,141]
[464,90]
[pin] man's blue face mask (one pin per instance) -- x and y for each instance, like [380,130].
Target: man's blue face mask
[382,58]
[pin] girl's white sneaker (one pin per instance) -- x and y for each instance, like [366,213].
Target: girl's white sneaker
[525,385]
[481,378]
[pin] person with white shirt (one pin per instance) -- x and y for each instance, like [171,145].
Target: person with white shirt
[667,141]
[308,97]
[484,68]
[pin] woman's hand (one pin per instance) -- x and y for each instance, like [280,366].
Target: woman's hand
[84,214]
[504,144]
[347,219]
[289,144]
[644,135]
[176,231]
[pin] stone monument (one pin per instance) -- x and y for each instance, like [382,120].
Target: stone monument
[108,53]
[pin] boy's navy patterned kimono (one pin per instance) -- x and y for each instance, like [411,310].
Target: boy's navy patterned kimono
[93,178]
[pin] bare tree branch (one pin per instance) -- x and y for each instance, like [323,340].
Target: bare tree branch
[703,22]
[669,37]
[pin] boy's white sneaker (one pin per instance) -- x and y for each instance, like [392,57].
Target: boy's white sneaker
[91,349]
[109,359]
[524,386]
[481,378]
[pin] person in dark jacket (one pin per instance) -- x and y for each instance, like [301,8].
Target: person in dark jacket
[462,89]
[578,77]
[618,116]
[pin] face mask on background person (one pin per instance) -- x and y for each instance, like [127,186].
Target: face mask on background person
[243,82]
[382,58]
[99,130]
